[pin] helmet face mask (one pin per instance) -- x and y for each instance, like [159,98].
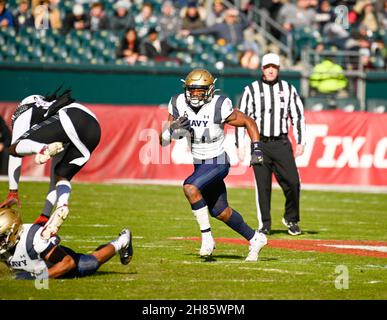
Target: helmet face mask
[10,229]
[199,88]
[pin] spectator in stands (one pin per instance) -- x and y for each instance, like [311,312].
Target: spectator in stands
[364,14]
[245,6]
[328,77]
[122,19]
[6,17]
[215,14]
[292,16]
[379,53]
[383,16]
[23,16]
[192,18]
[145,20]
[249,60]
[325,14]
[54,15]
[169,23]
[98,19]
[5,141]
[129,50]
[156,49]
[77,19]
[228,32]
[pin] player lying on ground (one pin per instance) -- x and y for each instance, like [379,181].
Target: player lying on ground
[200,115]
[53,126]
[30,256]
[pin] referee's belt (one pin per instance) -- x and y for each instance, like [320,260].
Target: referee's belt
[273,138]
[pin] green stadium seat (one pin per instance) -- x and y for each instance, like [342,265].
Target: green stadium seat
[316,103]
[208,57]
[232,58]
[184,57]
[9,50]
[348,104]
[197,64]
[22,57]
[377,105]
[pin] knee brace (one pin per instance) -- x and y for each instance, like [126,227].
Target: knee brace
[87,265]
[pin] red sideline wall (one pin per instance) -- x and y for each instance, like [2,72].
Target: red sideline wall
[342,149]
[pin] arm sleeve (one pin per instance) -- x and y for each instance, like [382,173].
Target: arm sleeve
[297,116]
[227,109]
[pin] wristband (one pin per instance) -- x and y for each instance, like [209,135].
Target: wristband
[256,145]
[166,135]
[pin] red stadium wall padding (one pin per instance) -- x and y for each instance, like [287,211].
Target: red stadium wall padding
[342,149]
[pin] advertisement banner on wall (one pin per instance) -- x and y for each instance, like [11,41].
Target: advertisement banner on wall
[343,148]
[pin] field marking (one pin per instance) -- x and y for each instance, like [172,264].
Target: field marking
[359,247]
[91,225]
[276,270]
[346,246]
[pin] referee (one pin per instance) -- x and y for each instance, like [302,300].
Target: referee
[271,102]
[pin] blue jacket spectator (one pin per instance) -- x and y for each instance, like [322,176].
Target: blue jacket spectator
[6,17]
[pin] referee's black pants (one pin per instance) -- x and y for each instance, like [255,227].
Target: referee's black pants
[278,159]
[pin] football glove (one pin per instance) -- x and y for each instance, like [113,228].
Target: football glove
[180,123]
[180,128]
[12,199]
[256,154]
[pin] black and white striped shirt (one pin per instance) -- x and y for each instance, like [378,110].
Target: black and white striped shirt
[271,106]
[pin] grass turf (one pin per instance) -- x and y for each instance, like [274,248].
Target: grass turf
[171,269]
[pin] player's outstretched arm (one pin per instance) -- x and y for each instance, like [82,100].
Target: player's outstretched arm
[63,262]
[239,119]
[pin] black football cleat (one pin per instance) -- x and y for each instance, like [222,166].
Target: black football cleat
[293,228]
[126,253]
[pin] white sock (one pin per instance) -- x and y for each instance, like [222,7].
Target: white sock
[27,147]
[119,243]
[63,189]
[203,220]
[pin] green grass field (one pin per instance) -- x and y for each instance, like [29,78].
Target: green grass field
[164,268]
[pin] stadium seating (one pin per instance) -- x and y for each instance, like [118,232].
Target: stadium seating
[50,46]
[347,104]
[319,103]
[377,105]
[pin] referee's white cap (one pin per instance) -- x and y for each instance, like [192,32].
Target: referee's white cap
[270,58]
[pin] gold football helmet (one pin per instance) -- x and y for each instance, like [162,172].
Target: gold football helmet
[199,87]
[10,229]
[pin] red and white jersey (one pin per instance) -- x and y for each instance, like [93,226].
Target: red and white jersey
[207,124]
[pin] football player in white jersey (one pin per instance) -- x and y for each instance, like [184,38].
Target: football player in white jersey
[46,126]
[200,115]
[32,257]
